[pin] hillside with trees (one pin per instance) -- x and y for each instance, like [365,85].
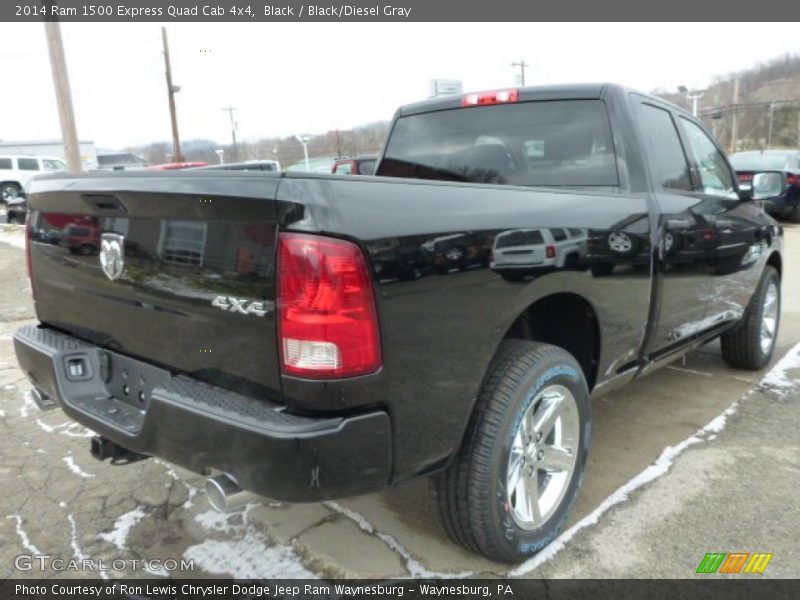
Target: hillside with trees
[763,112]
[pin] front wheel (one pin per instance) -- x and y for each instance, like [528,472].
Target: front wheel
[512,484]
[751,344]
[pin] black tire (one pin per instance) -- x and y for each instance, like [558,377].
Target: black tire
[86,249]
[741,347]
[470,494]
[9,190]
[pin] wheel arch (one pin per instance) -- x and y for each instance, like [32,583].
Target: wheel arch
[564,319]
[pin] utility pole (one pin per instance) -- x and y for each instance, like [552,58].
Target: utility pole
[171,91]
[66,114]
[230,110]
[522,66]
[733,114]
[769,129]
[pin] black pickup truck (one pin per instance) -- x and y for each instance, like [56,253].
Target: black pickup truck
[310,336]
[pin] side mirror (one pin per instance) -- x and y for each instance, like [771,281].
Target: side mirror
[767,185]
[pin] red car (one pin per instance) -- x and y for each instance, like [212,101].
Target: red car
[361,165]
[177,165]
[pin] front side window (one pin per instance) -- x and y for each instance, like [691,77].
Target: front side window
[667,158]
[547,143]
[5,163]
[28,164]
[715,176]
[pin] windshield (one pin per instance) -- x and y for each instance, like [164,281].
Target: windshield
[759,161]
[561,143]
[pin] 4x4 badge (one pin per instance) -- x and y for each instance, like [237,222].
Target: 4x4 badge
[112,255]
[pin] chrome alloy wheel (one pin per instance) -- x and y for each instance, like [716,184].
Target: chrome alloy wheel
[769,317]
[620,242]
[542,458]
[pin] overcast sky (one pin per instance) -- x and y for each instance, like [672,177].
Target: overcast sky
[290,78]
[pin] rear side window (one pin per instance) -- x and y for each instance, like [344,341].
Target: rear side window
[28,164]
[554,143]
[559,235]
[668,160]
[5,163]
[344,168]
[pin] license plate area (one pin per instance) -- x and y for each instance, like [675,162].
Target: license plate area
[130,381]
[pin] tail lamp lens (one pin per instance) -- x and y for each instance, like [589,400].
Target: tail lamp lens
[327,320]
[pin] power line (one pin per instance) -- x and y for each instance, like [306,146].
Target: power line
[522,66]
[230,110]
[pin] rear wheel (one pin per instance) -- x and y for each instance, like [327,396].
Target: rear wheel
[9,190]
[751,344]
[511,486]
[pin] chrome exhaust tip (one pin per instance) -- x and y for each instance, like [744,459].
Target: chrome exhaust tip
[225,495]
[42,400]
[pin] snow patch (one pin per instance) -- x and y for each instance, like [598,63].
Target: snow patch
[26,542]
[122,527]
[778,379]
[27,405]
[75,468]
[14,239]
[213,520]
[248,558]
[68,428]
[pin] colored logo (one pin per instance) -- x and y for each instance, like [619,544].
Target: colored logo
[734,563]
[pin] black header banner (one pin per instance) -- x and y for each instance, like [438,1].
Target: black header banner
[251,11]
[703,587]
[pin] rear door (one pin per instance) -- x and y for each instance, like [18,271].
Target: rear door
[684,272]
[174,268]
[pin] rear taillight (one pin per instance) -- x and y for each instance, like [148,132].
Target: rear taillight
[550,251]
[327,320]
[496,97]
[792,179]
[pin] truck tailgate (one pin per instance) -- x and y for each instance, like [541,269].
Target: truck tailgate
[176,269]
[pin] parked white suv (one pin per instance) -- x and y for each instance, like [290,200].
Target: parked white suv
[520,252]
[16,171]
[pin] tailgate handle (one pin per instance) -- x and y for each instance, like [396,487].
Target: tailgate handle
[105,203]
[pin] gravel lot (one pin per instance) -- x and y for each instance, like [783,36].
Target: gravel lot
[695,458]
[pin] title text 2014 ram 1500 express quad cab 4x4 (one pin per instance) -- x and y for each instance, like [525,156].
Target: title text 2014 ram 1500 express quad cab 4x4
[235,322]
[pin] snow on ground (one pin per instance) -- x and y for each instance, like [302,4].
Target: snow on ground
[13,236]
[778,378]
[122,528]
[75,468]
